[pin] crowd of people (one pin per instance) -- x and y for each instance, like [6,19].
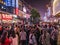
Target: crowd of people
[24,34]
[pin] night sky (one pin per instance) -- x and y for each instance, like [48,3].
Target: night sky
[40,5]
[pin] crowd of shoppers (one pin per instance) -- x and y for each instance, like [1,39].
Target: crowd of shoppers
[24,34]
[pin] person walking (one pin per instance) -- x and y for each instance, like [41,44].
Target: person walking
[47,38]
[42,38]
[32,39]
[23,37]
[14,38]
[54,35]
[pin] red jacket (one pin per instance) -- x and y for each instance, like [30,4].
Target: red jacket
[7,42]
[0,28]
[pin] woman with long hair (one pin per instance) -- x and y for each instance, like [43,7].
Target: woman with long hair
[5,40]
[14,38]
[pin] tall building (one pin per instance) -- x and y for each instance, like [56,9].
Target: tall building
[24,11]
[56,13]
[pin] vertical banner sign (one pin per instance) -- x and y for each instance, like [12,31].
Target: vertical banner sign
[16,9]
[13,3]
[16,3]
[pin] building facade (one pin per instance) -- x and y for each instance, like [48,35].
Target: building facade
[56,8]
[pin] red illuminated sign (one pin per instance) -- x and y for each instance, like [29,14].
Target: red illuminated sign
[16,11]
[6,17]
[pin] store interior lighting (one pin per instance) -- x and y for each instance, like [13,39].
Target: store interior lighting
[15,16]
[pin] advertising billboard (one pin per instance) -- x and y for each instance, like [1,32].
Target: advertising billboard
[56,7]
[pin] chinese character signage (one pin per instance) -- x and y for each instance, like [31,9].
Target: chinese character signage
[6,17]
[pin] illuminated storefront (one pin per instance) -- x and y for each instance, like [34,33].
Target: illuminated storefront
[5,17]
[56,8]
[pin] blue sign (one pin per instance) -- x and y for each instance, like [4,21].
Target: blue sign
[16,3]
[7,2]
[13,3]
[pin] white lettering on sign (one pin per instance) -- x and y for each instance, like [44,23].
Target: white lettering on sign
[7,17]
[3,15]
